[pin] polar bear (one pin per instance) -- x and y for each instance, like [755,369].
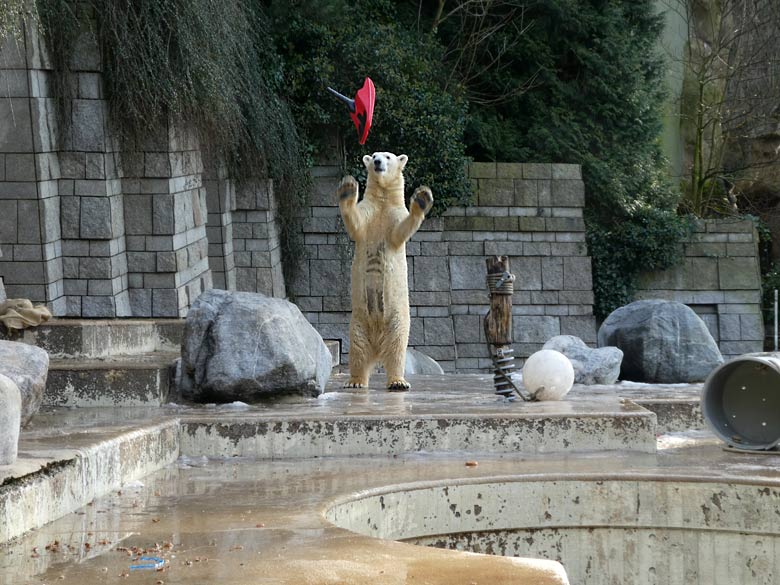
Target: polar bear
[380,226]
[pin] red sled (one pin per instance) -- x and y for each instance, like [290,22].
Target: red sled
[361,109]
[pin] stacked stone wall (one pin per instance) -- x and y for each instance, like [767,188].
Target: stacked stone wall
[719,279]
[529,212]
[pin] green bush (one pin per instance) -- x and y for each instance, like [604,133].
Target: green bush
[337,44]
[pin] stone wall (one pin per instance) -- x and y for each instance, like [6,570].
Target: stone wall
[530,212]
[720,280]
[98,227]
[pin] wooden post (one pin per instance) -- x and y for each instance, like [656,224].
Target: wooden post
[498,322]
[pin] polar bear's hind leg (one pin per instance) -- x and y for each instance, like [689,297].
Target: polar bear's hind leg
[360,356]
[394,355]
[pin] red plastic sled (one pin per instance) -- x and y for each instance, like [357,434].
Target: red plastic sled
[361,109]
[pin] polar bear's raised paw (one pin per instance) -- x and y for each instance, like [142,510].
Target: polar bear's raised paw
[348,188]
[423,198]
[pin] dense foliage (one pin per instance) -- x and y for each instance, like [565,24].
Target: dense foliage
[596,90]
[208,65]
[338,43]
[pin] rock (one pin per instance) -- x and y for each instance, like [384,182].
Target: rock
[591,366]
[10,420]
[662,342]
[246,346]
[419,363]
[28,367]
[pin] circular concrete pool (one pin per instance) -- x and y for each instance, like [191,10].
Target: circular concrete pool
[604,530]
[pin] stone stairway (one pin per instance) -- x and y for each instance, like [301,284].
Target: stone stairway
[119,362]
[111,362]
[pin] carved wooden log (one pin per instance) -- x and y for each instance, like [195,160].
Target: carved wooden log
[498,322]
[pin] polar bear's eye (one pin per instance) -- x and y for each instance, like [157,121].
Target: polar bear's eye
[387,157]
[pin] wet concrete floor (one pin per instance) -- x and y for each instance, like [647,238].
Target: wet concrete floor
[237,521]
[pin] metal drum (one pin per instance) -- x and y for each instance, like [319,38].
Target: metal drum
[741,401]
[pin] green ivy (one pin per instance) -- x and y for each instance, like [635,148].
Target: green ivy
[647,240]
[208,65]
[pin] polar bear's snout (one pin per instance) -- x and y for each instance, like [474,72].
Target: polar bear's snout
[380,163]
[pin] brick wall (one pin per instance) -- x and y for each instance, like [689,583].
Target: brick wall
[530,212]
[720,280]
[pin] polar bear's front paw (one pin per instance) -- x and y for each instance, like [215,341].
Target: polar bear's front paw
[356,383]
[348,188]
[423,198]
[398,385]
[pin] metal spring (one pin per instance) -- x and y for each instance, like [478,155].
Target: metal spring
[501,284]
[503,365]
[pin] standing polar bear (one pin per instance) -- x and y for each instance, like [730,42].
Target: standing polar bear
[380,225]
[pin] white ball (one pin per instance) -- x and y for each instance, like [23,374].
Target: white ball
[548,375]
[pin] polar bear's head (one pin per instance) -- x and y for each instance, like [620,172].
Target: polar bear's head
[385,168]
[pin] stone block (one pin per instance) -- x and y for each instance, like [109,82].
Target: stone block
[740,249]
[526,193]
[93,268]
[527,271]
[440,353]
[566,171]
[28,223]
[15,125]
[751,327]
[95,218]
[729,328]
[102,306]
[20,167]
[468,328]
[504,248]
[509,170]
[552,273]
[157,165]
[88,126]
[482,170]
[90,86]
[577,274]
[138,214]
[328,277]
[738,273]
[537,171]
[735,348]
[531,224]
[164,215]
[702,273]
[496,192]
[582,326]
[141,261]
[165,303]
[141,302]
[568,194]
[534,329]
[8,221]
[536,248]
[27,252]
[467,272]
[505,224]
[95,166]
[565,224]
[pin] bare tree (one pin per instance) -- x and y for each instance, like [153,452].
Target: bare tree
[730,95]
[485,33]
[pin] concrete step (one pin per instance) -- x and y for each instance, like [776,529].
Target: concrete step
[103,338]
[134,380]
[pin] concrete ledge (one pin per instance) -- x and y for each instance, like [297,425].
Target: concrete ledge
[68,478]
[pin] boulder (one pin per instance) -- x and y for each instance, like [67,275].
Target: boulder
[247,346]
[10,420]
[419,363]
[591,366]
[27,366]
[662,342]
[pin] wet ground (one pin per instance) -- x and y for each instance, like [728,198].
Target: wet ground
[241,521]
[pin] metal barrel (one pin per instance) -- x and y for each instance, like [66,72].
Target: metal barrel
[741,401]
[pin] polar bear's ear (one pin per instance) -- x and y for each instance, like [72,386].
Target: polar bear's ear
[402,161]
[367,161]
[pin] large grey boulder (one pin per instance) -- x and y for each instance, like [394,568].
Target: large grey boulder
[662,341]
[591,366]
[246,346]
[28,367]
[419,363]
[10,420]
